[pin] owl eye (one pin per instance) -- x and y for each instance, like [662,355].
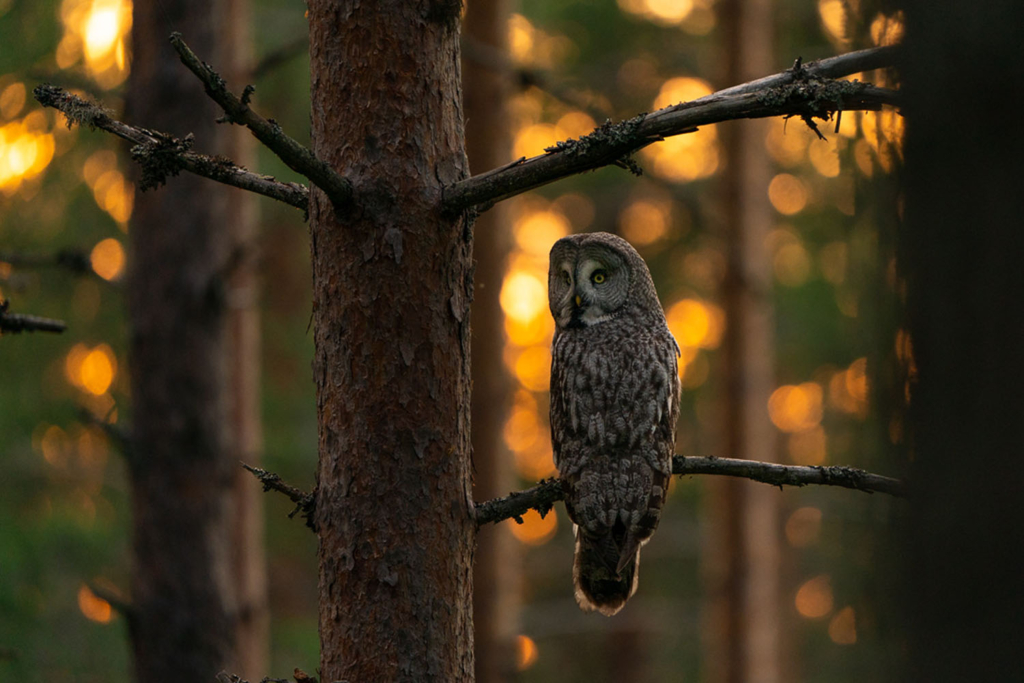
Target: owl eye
[566,278]
[598,277]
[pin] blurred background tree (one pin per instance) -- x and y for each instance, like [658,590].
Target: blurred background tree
[819,220]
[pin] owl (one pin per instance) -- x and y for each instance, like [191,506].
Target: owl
[614,403]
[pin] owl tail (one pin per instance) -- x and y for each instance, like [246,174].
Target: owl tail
[598,585]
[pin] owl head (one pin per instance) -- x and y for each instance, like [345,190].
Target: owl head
[597,277]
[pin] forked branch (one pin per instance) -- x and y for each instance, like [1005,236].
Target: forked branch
[237,110]
[545,494]
[808,91]
[162,155]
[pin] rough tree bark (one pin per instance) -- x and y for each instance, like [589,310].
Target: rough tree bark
[392,284]
[181,628]
[744,558]
[495,574]
[962,258]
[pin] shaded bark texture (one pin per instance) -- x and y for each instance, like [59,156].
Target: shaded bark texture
[392,285]
[181,627]
[961,256]
[496,570]
[744,558]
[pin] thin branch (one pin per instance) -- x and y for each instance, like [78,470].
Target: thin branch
[16,322]
[304,502]
[237,110]
[162,155]
[497,61]
[74,260]
[805,90]
[545,494]
[114,598]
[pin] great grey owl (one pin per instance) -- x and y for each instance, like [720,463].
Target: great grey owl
[614,403]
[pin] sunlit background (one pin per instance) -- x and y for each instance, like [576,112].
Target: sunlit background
[63,509]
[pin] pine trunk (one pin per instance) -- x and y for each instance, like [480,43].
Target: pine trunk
[180,626]
[392,284]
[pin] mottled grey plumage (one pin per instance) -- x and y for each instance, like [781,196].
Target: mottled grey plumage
[614,404]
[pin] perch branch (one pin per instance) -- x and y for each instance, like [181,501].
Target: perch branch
[304,502]
[542,496]
[237,110]
[805,90]
[75,261]
[16,322]
[162,155]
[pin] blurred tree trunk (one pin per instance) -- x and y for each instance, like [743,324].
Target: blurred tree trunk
[245,442]
[179,474]
[496,568]
[743,567]
[962,257]
[392,286]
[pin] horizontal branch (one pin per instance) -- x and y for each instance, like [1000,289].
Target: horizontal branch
[237,110]
[545,494]
[805,90]
[162,155]
[74,260]
[304,502]
[16,322]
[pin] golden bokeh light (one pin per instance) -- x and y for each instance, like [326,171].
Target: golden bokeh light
[536,461]
[536,231]
[92,370]
[803,527]
[809,447]
[526,652]
[788,146]
[94,608]
[536,330]
[530,45]
[646,221]
[55,446]
[533,368]
[523,296]
[788,194]
[696,324]
[12,100]
[535,530]
[110,190]
[842,629]
[833,20]
[26,149]
[664,12]
[96,32]
[520,37]
[687,157]
[887,30]
[522,429]
[796,408]
[857,380]
[681,89]
[824,156]
[575,124]
[107,259]
[792,264]
[532,140]
[814,598]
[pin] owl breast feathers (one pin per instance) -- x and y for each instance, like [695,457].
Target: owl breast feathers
[614,404]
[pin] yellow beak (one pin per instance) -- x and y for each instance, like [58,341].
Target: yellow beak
[578,299]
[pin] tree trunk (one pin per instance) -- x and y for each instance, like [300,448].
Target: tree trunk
[495,571]
[245,440]
[392,284]
[180,627]
[744,591]
[962,258]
